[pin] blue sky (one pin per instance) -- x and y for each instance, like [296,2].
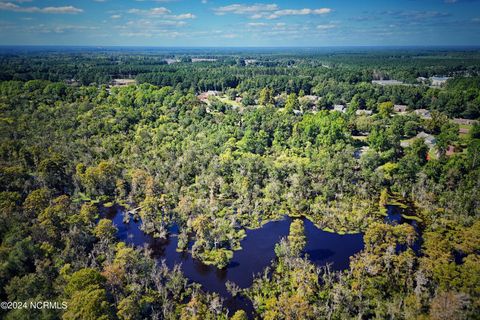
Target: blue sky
[309,23]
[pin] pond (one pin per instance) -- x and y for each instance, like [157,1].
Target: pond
[257,252]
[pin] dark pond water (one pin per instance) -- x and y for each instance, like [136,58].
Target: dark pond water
[394,216]
[257,252]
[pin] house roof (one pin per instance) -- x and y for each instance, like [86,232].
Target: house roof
[429,139]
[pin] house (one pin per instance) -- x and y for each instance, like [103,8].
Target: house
[465,122]
[72,82]
[423,113]
[203,60]
[451,150]
[422,79]
[311,98]
[340,108]
[364,112]
[387,82]
[123,82]
[205,95]
[429,139]
[400,108]
[309,101]
[172,61]
[438,81]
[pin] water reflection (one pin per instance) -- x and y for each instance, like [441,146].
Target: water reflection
[256,254]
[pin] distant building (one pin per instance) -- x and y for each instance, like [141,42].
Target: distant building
[340,108]
[309,101]
[438,81]
[72,82]
[423,113]
[422,79]
[171,61]
[466,122]
[363,112]
[387,82]
[205,95]
[123,82]
[400,108]
[203,60]
[311,98]
[451,150]
[429,139]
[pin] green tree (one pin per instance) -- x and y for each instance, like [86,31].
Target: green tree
[105,229]
[296,237]
[89,305]
[266,97]
[292,103]
[385,108]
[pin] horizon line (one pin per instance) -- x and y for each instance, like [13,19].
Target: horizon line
[245,46]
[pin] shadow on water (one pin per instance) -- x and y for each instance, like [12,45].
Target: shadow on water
[257,253]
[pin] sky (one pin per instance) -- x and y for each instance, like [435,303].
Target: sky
[222,23]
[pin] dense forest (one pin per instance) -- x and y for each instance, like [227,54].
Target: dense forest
[268,141]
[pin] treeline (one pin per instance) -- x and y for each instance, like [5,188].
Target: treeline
[336,77]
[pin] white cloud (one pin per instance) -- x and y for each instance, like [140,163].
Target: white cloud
[182,16]
[245,9]
[116,16]
[163,12]
[9,6]
[299,12]
[325,26]
[159,11]
[269,11]
[153,11]
[257,24]
[59,28]
[66,9]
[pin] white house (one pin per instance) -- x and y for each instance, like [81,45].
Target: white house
[438,81]
[340,108]
[400,108]
[387,82]
[364,112]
